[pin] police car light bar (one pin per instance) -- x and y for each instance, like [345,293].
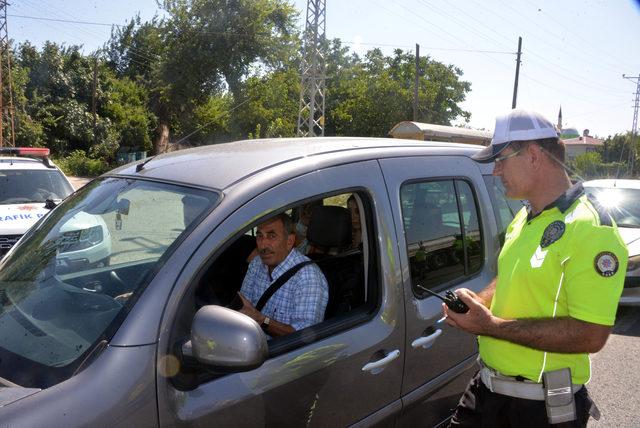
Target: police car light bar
[38,152]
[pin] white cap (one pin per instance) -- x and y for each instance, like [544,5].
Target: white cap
[517,125]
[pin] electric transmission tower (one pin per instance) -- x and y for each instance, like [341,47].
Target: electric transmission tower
[312,81]
[6,90]
[634,126]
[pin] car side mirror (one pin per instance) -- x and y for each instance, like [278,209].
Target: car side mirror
[225,340]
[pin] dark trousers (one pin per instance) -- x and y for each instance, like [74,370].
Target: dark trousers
[480,407]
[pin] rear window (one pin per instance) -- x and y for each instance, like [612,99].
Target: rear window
[24,186]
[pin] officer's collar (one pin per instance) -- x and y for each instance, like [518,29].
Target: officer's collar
[563,202]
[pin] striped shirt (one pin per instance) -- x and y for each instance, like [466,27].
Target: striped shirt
[300,302]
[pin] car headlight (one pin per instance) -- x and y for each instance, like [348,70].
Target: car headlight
[633,266]
[77,240]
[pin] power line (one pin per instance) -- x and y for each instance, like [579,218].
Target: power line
[426,47]
[569,77]
[564,26]
[68,21]
[72,21]
[144,55]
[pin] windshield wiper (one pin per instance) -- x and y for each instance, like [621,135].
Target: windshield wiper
[629,225]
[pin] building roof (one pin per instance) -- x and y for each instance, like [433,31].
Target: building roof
[429,131]
[584,141]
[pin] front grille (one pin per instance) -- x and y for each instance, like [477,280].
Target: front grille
[6,242]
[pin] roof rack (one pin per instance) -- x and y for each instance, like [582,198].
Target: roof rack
[33,152]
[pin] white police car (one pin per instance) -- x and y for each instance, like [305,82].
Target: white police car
[30,186]
[622,199]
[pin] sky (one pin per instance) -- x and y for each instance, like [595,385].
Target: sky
[574,52]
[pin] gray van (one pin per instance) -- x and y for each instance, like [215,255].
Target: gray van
[148,341]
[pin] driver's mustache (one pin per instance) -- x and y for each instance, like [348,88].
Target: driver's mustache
[265,251]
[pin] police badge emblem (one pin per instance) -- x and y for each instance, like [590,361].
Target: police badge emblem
[552,233]
[606,264]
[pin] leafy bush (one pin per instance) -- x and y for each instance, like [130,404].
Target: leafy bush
[79,164]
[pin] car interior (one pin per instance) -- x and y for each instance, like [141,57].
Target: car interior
[329,239]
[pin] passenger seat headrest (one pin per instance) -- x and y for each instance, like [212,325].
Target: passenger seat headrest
[329,227]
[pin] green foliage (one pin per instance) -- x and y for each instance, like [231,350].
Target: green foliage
[616,149]
[78,164]
[202,48]
[588,164]
[211,71]
[271,103]
[367,98]
[126,105]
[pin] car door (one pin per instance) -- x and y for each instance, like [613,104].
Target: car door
[337,373]
[444,227]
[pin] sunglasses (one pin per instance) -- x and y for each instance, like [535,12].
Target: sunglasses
[505,157]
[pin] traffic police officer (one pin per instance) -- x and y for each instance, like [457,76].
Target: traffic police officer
[560,275]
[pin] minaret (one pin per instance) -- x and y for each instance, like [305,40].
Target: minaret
[560,119]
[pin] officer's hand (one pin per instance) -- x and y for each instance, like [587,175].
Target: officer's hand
[249,310]
[477,320]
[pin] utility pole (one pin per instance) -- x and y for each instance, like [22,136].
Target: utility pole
[93,100]
[6,89]
[634,126]
[415,84]
[515,83]
[312,80]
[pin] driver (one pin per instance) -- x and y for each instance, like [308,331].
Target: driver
[301,301]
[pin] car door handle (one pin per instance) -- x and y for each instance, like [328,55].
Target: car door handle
[426,342]
[376,367]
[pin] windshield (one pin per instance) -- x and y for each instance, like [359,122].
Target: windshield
[68,284]
[622,204]
[24,186]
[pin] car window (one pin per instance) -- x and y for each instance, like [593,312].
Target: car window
[24,186]
[330,231]
[622,204]
[504,208]
[65,283]
[441,225]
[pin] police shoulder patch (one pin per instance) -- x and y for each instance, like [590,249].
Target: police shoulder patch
[606,263]
[552,233]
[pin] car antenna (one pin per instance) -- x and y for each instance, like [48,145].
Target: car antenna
[141,165]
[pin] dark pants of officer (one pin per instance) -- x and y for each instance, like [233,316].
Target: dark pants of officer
[480,407]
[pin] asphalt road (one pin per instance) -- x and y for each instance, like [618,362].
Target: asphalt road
[615,378]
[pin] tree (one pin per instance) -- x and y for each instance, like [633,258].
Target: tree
[271,102]
[207,47]
[616,149]
[126,105]
[368,97]
[55,98]
[588,165]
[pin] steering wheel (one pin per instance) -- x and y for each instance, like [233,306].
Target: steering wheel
[88,299]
